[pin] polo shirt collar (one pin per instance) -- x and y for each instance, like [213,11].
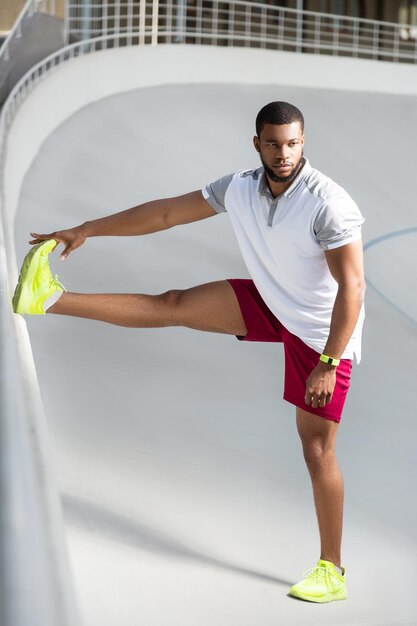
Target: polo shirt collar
[263,188]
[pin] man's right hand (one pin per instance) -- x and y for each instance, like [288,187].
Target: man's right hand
[72,238]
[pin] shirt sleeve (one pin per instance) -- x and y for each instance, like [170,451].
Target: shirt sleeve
[338,222]
[215,193]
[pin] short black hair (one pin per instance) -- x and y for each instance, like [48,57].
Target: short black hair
[278,113]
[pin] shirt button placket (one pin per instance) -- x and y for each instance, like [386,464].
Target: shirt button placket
[272,211]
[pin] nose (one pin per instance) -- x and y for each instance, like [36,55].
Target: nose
[282,153]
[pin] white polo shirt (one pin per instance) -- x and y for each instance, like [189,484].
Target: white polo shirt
[283,240]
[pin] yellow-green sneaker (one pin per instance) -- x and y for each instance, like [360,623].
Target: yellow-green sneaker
[36,284]
[322,583]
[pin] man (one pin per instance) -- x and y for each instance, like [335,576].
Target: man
[300,236]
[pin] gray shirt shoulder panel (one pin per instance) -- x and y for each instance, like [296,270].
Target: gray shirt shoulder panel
[215,193]
[339,219]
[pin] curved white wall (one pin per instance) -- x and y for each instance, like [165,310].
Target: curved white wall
[89,78]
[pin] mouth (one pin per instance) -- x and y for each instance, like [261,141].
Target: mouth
[282,167]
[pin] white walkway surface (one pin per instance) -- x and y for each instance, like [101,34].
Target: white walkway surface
[185,494]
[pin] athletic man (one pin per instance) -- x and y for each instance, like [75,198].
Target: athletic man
[300,236]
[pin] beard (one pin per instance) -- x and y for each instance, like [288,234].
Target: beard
[283,179]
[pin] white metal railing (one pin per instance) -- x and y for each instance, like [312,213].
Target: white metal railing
[239,23]
[230,23]
[92,25]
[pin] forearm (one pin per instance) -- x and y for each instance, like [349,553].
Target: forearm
[345,314]
[151,217]
[143,219]
[139,220]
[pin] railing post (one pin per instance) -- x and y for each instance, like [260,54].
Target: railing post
[155,22]
[375,42]
[215,22]
[85,20]
[264,18]
[198,21]
[281,29]
[129,22]
[117,22]
[396,43]
[415,50]
[317,26]
[247,24]
[180,23]
[355,47]
[142,21]
[336,26]
[105,23]
[299,27]
[231,26]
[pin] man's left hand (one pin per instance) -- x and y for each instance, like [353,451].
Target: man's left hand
[320,385]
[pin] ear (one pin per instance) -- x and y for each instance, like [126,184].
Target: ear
[302,140]
[256,143]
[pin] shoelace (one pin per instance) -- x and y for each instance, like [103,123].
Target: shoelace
[55,282]
[317,574]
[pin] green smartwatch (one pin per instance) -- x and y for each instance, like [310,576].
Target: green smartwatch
[329,360]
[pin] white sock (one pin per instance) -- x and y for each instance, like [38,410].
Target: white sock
[51,300]
[339,569]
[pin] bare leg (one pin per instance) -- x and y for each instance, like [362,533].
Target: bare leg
[210,307]
[318,437]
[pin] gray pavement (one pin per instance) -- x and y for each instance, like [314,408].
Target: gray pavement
[185,494]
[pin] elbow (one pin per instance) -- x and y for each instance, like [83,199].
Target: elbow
[362,291]
[354,289]
[166,219]
[360,286]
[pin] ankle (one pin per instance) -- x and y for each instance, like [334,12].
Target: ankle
[335,562]
[54,303]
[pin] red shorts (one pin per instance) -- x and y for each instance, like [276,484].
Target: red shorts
[300,359]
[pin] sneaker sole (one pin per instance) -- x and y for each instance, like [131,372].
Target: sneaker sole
[341,595]
[27,273]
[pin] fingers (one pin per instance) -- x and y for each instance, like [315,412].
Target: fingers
[70,241]
[317,399]
[319,387]
[66,252]
[37,238]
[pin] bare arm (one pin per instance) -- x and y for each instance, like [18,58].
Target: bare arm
[346,266]
[143,219]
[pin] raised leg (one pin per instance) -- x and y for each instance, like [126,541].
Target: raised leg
[318,437]
[210,307]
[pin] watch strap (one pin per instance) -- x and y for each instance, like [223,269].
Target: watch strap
[329,360]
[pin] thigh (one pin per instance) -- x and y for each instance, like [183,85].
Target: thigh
[314,430]
[211,307]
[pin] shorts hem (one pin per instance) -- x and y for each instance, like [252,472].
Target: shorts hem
[320,412]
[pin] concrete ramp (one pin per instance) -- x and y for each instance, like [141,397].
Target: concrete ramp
[186,497]
[41,34]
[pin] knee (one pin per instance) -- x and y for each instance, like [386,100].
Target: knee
[172,298]
[317,453]
[170,311]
